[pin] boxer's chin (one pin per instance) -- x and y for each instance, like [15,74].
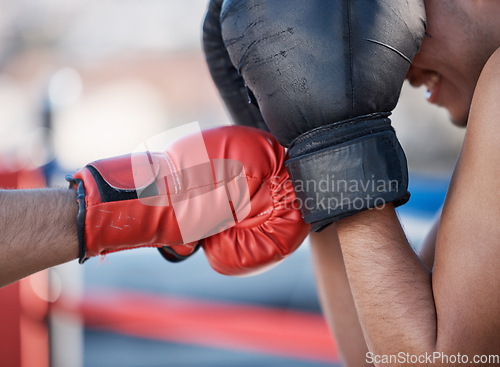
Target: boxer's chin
[459,118]
[459,122]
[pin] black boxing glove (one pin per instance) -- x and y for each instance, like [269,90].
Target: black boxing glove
[238,99]
[326,75]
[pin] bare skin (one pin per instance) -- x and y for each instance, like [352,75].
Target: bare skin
[38,231]
[462,35]
[335,294]
[427,249]
[336,297]
[400,306]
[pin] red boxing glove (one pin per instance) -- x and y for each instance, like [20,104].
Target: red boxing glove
[226,189]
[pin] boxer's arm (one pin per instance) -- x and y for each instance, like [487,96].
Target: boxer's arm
[37,231]
[427,249]
[336,298]
[398,302]
[391,288]
[335,293]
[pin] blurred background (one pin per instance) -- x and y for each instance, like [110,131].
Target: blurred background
[82,80]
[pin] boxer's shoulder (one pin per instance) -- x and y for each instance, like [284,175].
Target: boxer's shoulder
[485,110]
[489,78]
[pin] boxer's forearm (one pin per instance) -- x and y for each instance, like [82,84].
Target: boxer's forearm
[427,249]
[336,298]
[391,288]
[37,231]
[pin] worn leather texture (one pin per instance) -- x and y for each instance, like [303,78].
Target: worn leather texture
[313,64]
[237,98]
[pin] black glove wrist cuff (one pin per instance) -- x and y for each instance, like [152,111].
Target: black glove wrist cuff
[75,183]
[347,167]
